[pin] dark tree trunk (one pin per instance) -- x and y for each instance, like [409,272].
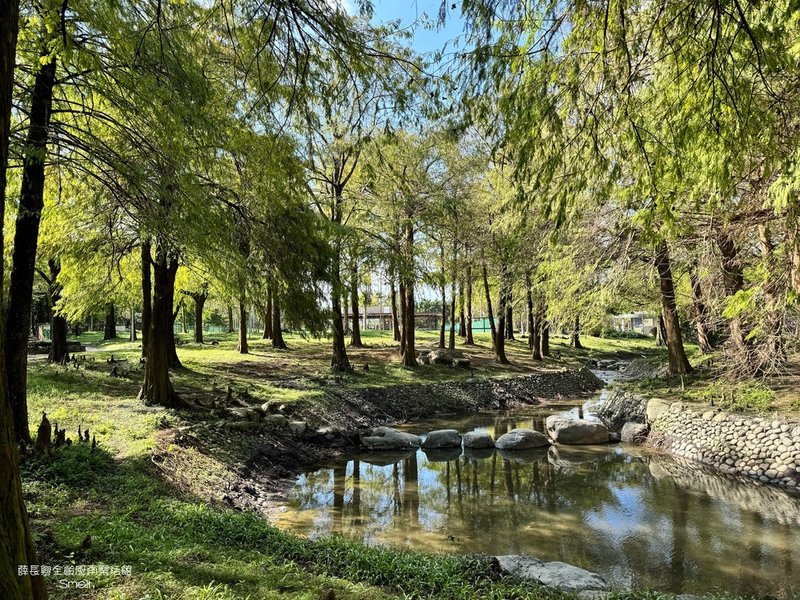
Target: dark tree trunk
[147,295]
[534,323]
[231,328]
[346,310]
[268,316]
[339,361]
[773,351]
[277,332]
[462,320]
[470,340]
[242,345]
[575,337]
[58,324]
[157,387]
[403,322]
[499,338]
[184,324]
[133,324]
[395,323]
[26,238]
[489,313]
[661,332]
[110,326]
[409,354]
[678,362]
[509,332]
[199,305]
[451,344]
[544,327]
[442,289]
[700,315]
[355,338]
[16,544]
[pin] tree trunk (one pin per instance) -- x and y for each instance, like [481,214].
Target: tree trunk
[110,324]
[499,338]
[700,315]
[678,362]
[133,324]
[773,351]
[544,327]
[409,353]
[231,328]
[339,361]
[452,342]
[277,332]
[534,324]
[395,324]
[174,361]
[470,340]
[26,238]
[16,544]
[157,387]
[403,323]
[509,332]
[733,282]
[489,313]
[184,324]
[346,308]
[268,316]
[242,345]
[58,324]
[442,289]
[661,332]
[462,320]
[575,337]
[147,295]
[355,338]
[199,305]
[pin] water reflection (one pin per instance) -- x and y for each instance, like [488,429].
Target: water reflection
[637,519]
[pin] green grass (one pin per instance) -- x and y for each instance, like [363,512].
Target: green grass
[180,545]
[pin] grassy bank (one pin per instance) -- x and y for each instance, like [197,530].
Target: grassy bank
[115,506]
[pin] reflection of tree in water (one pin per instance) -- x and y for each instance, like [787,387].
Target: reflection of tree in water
[595,507]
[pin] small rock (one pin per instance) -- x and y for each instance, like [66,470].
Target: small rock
[442,438]
[634,433]
[521,439]
[298,427]
[276,420]
[386,438]
[477,439]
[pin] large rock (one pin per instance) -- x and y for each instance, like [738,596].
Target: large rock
[386,438]
[564,430]
[634,433]
[477,439]
[442,438]
[620,407]
[521,439]
[552,574]
[655,406]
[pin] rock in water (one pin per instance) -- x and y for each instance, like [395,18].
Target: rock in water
[564,430]
[634,433]
[552,574]
[521,439]
[386,438]
[478,439]
[442,438]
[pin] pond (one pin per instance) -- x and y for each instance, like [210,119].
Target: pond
[637,518]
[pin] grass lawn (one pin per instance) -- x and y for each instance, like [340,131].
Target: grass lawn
[114,506]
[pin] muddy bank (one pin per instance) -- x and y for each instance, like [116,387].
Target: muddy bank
[252,460]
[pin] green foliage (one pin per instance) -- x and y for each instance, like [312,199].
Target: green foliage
[749,396]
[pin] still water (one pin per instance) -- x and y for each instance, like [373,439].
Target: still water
[638,519]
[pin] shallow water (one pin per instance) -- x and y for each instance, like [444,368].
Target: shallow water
[637,519]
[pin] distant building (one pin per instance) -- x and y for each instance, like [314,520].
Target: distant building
[640,322]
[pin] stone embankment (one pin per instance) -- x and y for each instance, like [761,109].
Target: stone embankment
[764,449]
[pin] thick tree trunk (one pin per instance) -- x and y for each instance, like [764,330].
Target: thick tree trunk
[16,544]
[174,361]
[277,332]
[110,323]
[409,354]
[403,323]
[575,337]
[489,313]
[242,345]
[268,316]
[678,362]
[470,340]
[26,238]
[157,387]
[355,338]
[199,305]
[502,311]
[395,323]
[339,361]
[231,328]
[133,324]
[147,295]
[700,315]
